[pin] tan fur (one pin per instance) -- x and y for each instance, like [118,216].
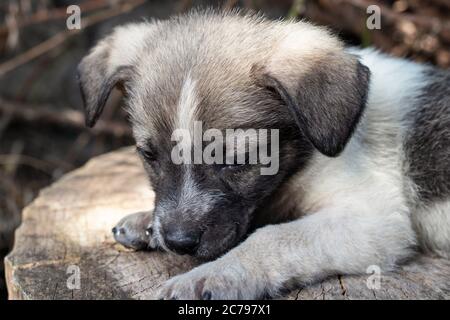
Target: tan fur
[349,211]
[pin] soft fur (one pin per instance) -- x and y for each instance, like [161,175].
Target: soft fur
[364,173]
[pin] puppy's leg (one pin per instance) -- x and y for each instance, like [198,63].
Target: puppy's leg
[325,243]
[135,231]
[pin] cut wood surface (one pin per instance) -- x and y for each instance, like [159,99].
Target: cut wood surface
[68,228]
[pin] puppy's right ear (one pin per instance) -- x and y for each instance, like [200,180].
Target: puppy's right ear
[324,87]
[109,64]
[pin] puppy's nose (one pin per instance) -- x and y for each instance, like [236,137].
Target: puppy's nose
[182,242]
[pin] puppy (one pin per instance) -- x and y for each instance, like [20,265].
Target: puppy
[364,149]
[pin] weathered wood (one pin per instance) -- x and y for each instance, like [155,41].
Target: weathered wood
[69,225]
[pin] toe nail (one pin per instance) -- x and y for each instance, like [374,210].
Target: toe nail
[206,295]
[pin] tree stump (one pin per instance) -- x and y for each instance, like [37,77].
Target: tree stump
[64,248]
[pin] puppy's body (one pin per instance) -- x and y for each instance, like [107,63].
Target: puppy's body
[397,160]
[357,190]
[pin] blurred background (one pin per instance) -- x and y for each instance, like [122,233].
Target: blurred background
[42,134]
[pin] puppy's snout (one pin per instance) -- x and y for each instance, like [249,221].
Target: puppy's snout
[182,242]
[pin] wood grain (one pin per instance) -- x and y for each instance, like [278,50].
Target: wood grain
[69,225]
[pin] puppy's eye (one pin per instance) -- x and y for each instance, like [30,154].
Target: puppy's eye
[147,154]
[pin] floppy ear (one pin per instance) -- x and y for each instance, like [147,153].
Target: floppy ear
[109,64]
[324,88]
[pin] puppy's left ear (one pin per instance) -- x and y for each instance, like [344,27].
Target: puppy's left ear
[324,87]
[110,64]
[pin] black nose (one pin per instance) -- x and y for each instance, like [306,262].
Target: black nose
[182,242]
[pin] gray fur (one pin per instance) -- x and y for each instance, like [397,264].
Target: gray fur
[354,150]
[427,145]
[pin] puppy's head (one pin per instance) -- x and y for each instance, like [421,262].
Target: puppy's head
[204,74]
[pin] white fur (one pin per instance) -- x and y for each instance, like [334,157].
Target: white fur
[352,210]
[125,44]
[187,104]
[300,45]
[432,225]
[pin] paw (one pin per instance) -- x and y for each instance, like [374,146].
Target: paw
[211,281]
[133,231]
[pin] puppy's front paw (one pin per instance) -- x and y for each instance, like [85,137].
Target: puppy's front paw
[133,231]
[211,281]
